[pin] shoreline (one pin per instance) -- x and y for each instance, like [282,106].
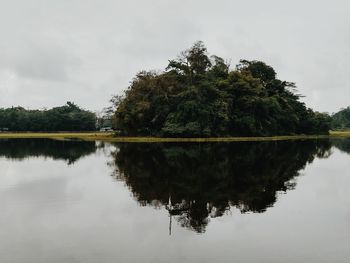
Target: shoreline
[109,137]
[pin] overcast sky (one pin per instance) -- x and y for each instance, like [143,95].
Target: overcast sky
[53,51]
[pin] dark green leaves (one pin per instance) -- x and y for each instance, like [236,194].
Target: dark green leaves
[65,118]
[198,96]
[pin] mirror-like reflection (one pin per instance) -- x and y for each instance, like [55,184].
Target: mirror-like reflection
[196,182]
[230,193]
[342,144]
[67,150]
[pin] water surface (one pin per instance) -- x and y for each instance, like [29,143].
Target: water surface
[73,201]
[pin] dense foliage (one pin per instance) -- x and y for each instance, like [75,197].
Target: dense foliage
[199,96]
[341,120]
[65,118]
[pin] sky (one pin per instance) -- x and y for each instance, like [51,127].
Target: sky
[85,51]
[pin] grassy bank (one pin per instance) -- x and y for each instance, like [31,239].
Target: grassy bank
[111,138]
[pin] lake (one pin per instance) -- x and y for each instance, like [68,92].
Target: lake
[76,201]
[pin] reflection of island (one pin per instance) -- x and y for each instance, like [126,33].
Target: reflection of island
[198,181]
[67,150]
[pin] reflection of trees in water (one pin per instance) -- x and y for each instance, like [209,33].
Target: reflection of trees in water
[342,144]
[67,150]
[198,181]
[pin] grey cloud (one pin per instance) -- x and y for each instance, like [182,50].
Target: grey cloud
[40,63]
[85,50]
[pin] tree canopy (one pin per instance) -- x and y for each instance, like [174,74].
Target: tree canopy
[198,95]
[69,117]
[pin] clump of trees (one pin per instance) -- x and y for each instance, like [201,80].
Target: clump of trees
[69,117]
[197,95]
[341,119]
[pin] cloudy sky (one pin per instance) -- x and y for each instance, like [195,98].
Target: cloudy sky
[53,51]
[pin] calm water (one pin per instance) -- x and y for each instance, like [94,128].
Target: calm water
[71,201]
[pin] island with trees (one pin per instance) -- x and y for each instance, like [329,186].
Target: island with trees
[198,95]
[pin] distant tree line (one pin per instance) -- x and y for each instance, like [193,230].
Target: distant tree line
[199,96]
[341,119]
[69,117]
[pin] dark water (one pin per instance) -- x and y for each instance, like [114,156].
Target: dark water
[72,201]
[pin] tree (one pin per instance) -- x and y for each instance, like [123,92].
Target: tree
[199,96]
[65,118]
[341,119]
